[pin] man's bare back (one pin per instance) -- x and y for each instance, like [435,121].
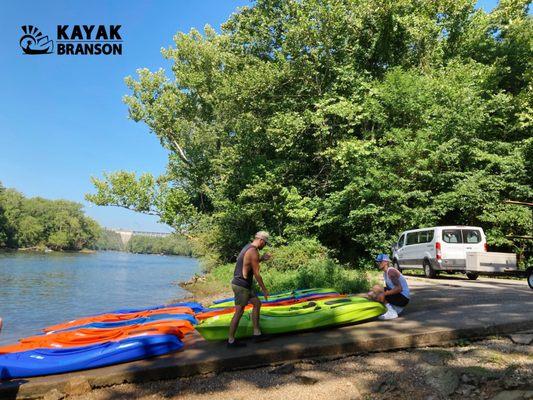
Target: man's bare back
[251,258]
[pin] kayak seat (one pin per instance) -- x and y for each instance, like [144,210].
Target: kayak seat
[337,301]
[302,307]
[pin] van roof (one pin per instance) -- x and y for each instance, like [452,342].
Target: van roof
[443,227]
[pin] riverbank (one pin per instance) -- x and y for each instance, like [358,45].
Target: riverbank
[301,264]
[215,285]
[204,289]
[39,249]
[488,369]
[45,250]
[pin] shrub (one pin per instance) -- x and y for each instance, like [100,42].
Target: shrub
[302,264]
[325,273]
[297,254]
[171,244]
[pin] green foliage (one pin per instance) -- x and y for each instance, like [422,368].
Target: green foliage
[4,233]
[37,222]
[317,273]
[296,255]
[127,191]
[223,273]
[109,240]
[30,231]
[304,264]
[172,244]
[347,121]
[301,265]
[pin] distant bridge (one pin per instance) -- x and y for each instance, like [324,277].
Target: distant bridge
[126,235]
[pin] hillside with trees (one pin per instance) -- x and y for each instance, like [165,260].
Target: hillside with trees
[38,223]
[173,244]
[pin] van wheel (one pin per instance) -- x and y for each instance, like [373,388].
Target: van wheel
[429,272]
[471,276]
[397,266]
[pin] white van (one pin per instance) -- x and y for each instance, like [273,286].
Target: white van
[441,248]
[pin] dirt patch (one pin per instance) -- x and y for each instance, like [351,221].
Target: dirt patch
[479,370]
[204,289]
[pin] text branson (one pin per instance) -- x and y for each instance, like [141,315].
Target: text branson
[89,40]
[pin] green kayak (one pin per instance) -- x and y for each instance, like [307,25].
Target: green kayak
[302,316]
[295,294]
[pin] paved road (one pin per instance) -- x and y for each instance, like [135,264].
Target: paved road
[441,310]
[453,292]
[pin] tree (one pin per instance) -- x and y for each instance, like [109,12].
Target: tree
[3,219]
[31,222]
[109,240]
[30,231]
[345,120]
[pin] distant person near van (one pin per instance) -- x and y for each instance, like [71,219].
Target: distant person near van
[395,294]
[246,268]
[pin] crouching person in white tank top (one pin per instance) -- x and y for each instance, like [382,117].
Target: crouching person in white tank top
[395,295]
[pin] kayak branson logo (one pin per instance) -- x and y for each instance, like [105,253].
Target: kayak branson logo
[74,40]
[34,42]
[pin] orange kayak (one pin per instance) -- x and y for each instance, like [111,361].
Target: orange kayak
[118,317]
[84,336]
[228,310]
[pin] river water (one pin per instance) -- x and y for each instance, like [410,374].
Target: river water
[38,290]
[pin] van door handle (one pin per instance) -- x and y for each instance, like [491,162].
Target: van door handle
[429,245]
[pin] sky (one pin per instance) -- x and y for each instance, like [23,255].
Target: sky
[62,119]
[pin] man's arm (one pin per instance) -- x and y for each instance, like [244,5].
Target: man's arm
[254,261]
[394,276]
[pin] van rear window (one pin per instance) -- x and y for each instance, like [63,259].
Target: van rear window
[452,236]
[471,236]
[461,235]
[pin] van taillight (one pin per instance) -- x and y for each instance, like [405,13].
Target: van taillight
[486,247]
[437,248]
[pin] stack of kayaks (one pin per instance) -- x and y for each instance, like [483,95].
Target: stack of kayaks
[100,340]
[226,306]
[195,307]
[275,298]
[137,333]
[307,311]
[114,317]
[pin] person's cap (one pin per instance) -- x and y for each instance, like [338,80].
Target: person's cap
[263,235]
[382,257]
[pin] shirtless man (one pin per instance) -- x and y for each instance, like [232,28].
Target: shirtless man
[246,268]
[395,295]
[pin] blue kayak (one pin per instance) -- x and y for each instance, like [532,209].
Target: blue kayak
[196,307]
[56,361]
[142,320]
